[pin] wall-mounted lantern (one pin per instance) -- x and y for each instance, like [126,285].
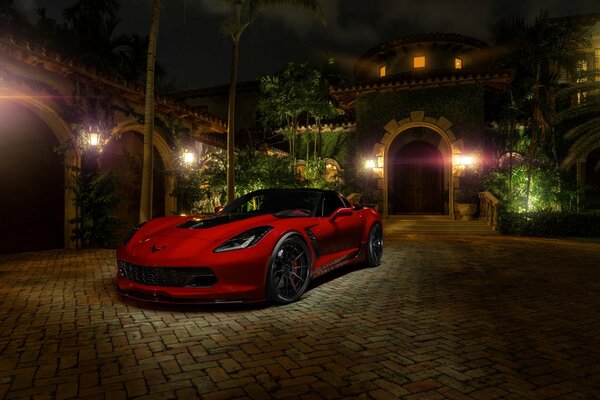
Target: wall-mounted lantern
[466,160]
[188,157]
[92,138]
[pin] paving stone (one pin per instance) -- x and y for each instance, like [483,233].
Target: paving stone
[469,317]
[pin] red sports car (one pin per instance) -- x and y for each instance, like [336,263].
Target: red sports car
[266,245]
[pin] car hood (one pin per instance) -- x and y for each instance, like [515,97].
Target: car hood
[168,239]
[206,230]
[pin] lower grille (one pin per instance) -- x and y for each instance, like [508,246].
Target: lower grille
[168,276]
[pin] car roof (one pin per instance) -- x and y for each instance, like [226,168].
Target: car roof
[294,190]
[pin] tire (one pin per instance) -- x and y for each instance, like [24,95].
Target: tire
[289,270]
[375,246]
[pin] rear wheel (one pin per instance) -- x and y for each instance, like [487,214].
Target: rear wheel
[289,270]
[375,246]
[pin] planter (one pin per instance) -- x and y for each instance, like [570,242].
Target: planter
[467,210]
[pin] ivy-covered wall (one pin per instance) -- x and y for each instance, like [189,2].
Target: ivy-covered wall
[339,145]
[463,105]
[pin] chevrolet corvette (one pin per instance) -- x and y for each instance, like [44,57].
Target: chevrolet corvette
[264,246]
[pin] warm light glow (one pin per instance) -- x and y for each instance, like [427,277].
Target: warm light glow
[382,71]
[94,139]
[370,164]
[466,160]
[419,62]
[458,63]
[188,157]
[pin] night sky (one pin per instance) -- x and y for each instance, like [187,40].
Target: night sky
[196,53]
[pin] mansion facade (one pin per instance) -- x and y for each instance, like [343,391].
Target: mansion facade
[420,109]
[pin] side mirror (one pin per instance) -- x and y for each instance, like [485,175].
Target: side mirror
[357,207]
[218,209]
[340,212]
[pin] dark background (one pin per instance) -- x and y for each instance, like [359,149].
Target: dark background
[197,54]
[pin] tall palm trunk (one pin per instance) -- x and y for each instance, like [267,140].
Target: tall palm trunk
[235,36]
[148,158]
[231,124]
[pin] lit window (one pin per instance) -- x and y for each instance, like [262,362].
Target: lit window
[382,71]
[458,63]
[582,67]
[419,62]
[581,97]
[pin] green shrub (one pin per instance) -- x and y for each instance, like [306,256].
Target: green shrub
[550,224]
[96,225]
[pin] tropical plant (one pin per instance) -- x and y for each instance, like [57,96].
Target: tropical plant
[298,92]
[536,53]
[545,188]
[255,169]
[244,11]
[95,199]
[89,36]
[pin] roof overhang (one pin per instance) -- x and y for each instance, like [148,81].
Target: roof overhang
[52,62]
[346,94]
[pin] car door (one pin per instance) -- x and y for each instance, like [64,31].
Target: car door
[339,230]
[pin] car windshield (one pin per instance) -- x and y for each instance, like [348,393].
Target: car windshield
[275,201]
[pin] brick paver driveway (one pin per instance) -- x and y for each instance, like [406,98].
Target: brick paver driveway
[465,317]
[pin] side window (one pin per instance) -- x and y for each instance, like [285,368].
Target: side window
[331,202]
[251,204]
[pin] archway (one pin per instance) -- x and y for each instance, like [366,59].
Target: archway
[416,179]
[418,127]
[32,177]
[124,156]
[592,181]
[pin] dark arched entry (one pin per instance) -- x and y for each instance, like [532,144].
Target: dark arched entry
[417,180]
[124,157]
[592,181]
[32,178]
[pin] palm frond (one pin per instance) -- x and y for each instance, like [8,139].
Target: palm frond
[253,6]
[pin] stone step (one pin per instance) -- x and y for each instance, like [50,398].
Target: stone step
[435,224]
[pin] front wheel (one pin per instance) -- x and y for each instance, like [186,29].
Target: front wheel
[289,270]
[375,246]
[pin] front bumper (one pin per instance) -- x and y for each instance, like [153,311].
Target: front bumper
[233,277]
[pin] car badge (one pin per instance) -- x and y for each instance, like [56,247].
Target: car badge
[155,249]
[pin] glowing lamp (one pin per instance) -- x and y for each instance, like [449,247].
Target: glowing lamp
[370,164]
[188,157]
[466,160]
[94,139]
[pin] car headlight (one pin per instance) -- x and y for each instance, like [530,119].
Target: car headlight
[244,239]
[132,232]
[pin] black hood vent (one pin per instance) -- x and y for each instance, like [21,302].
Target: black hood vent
[213,221]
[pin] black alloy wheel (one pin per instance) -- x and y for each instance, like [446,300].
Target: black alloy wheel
[289,270]
[375,246]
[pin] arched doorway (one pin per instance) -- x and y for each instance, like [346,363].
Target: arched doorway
[592,181]
[124,157]
[416,179]
[32,178]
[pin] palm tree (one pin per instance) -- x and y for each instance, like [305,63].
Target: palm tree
[299,91]
[536,53]
[148,158]
[244,12]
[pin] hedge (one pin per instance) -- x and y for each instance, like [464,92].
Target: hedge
[550,224]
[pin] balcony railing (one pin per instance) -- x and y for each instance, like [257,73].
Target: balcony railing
[488,209]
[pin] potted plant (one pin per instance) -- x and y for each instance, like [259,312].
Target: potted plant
[467,196]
